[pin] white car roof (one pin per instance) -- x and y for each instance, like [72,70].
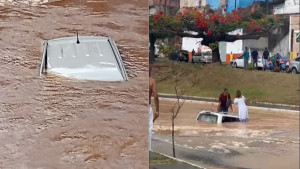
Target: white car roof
[93,58]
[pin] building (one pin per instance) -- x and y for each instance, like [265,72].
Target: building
[290,8]
[169,7]
[192,3]
[230,5]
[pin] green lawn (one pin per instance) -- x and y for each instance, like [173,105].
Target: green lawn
[210,80]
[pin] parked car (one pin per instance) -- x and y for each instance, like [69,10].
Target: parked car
[239,62]
[183,56]
[294,66]
[203,57]
[213,117]
[179,55]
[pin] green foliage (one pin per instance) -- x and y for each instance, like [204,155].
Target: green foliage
[166,49]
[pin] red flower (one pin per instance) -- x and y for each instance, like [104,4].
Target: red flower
[277,17]
[200,25]
[253,23]
[222,19]
[257,28]
[233,12]
[250,29]
[156,17]
[161,13]
[209,32]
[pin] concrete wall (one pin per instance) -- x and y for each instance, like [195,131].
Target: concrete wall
[282,47]
[192,3]
[260,43]
[294,25]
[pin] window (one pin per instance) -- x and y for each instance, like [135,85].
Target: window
[208,118]
[297,36]
[230,119]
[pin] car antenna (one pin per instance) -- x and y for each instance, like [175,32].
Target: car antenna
[77,38]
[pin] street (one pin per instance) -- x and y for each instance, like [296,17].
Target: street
[271,136]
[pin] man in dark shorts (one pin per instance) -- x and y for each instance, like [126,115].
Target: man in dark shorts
[254,55]
[224,101]
[265,58]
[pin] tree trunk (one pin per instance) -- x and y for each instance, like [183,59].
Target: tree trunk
[152,40]
[173,143]
[216,55]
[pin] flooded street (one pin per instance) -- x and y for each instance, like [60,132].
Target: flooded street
[269,140]
[56,122]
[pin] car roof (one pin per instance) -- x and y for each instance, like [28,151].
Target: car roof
[97,57]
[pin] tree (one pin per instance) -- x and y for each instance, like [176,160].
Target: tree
[178,104]
[213,26]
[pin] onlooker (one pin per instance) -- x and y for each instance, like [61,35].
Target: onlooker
[152,91]
[240,101]
[246,58]
[193,52]
[254,55]
[224,101]
[266,54]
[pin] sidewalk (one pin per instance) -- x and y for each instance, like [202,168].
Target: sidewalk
[159,161]
[254,104]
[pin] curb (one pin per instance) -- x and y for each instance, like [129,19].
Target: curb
[263,105]
[177,159]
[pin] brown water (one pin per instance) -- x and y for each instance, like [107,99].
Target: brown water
[269,140]
[55,122]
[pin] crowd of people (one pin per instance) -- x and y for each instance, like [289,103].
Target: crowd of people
[273,63]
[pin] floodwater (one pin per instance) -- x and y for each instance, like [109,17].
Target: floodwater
[56,122]
[269,140]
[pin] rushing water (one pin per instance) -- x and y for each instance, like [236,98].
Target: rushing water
[269,140]
[55,122]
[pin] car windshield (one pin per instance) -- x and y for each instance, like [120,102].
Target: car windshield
[208,118]
[207,53]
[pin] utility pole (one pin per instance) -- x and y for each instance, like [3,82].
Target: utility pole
[234,4]
[267,7]
[165,6]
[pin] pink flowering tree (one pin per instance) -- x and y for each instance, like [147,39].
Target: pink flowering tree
[213,26]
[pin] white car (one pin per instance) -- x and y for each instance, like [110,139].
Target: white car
[84,57]
[295,66]
[213,117]
[239,62]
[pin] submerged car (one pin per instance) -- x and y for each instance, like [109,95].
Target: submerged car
[213,117]
[83,57]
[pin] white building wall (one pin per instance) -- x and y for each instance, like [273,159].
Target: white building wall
[236,46]
[193,43]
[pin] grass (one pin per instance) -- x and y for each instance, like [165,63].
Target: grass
[160,159]
[210,80]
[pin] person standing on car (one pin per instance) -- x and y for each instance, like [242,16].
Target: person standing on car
[266,55]
[224,101]
[240,101]
[254,55]
[246,58]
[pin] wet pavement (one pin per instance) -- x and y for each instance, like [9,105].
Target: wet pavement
[269,140]
[158,161]
[56,122]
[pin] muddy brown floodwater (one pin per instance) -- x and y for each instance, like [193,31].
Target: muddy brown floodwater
[269,140]
[55,122]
